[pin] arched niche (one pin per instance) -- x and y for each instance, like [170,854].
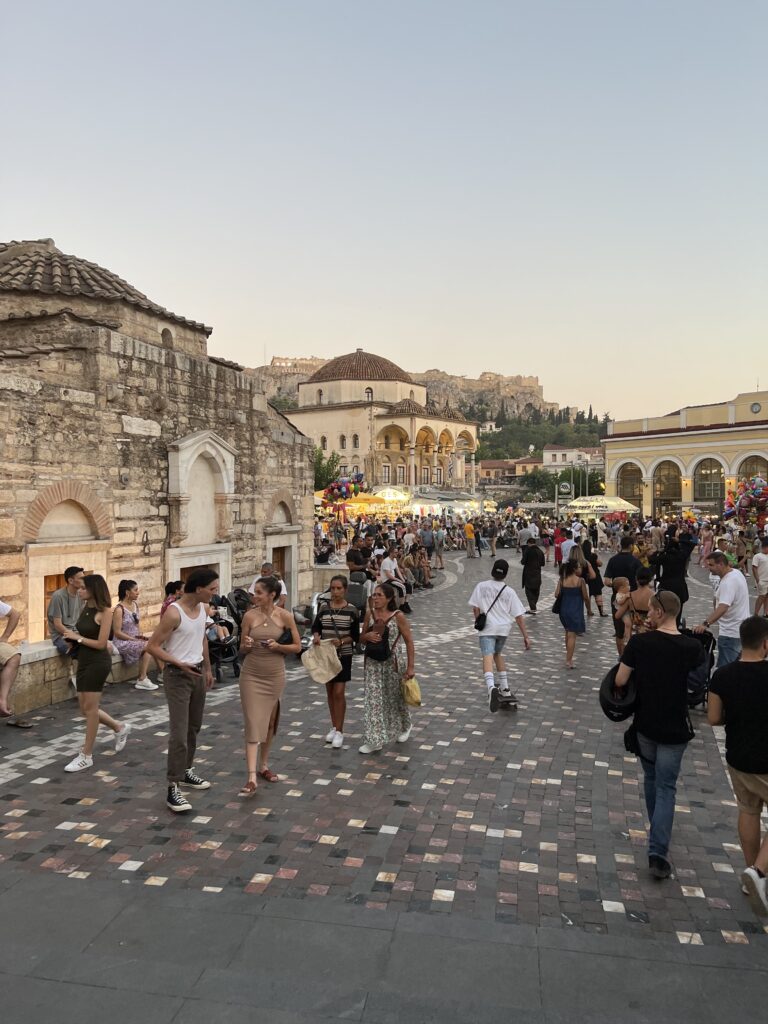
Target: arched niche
[201,486]
[70,491]
[67,522]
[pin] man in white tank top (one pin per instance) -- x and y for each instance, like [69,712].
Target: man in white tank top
[180,644]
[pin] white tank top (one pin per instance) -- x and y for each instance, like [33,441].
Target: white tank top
[186,641]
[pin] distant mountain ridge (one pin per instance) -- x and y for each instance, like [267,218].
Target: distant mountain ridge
[521,395]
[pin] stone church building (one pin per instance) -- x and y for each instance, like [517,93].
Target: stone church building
[130,451]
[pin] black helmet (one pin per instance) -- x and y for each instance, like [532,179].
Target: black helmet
[617,705]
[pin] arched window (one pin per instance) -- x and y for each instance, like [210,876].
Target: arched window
[342,442]
[319,396]
[629,484]
[401,472]
[754,466]
[342,470]
[412,394]
[355,469]
[355,441]
[709,481]
[369,394]
[667,489]
[402,444]
[386,473]
[166,337]
[386,440]
[324,444]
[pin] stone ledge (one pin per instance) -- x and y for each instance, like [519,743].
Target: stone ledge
[43,677]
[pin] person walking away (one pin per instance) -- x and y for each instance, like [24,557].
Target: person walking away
[731,610]
[670,565]
[594,583]
[492,534]
[338,622]
[738,699]
[533,562]
[659,661]
[760,574]
[574,598]
[180,645]
[94,663]
[385,713]
[567,545]
[130,643]
[501,606]
[439,546]
[64,610]
[10,659]
[268,635]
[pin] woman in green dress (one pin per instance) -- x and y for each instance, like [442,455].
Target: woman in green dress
[94,663]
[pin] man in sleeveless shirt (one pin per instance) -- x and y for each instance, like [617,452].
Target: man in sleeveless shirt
[179,644]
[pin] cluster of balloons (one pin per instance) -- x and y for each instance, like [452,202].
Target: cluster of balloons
[750,498]
[345,487]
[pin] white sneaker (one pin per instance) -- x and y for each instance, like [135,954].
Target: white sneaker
[121,738]
[330,736]
[338,740]
[79,763]
[756,890]
[145,684]
[367,749]
[404,736]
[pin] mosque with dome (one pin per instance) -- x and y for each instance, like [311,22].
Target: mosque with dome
[380,422]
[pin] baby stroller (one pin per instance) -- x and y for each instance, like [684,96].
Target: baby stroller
[698,679]
[223,650]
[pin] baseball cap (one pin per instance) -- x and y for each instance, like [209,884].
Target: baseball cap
[500,569]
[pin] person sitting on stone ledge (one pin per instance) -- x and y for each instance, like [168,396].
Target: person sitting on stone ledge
[64,610]
[128,639]
[10,659]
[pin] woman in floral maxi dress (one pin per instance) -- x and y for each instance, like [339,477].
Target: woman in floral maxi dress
[385,713]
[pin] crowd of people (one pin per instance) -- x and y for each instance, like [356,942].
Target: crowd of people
[644,565]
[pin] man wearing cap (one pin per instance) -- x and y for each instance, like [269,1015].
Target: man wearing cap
[501,607]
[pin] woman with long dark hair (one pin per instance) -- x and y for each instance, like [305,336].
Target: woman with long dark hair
[574,598]
[386,631]
[338,622]
[670,565]
[128,639]
[90,638]
[595,583]
[268,634]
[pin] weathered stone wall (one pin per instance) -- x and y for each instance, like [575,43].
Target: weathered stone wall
[88,404]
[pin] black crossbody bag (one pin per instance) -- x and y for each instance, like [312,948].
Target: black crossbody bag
[482,618]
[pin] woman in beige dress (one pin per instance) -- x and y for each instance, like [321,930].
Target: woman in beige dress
[262,678]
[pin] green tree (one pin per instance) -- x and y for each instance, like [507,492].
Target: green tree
[283,402]
[538,484]
[326,469]
[501,418]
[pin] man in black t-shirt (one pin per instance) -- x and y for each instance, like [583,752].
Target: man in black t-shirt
[738,697]
[659,661]
[623,564]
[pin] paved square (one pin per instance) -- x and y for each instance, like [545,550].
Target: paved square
[534,817]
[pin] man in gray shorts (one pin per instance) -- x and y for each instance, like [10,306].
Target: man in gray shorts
[64,610]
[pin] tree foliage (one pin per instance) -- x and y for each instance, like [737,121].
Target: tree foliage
[326,469]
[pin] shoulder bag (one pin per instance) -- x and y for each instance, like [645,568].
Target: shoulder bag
[482,618]
[380,649]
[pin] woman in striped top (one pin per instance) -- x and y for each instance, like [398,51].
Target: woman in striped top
[338,621]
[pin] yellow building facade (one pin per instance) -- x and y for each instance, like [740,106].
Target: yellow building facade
[690,458]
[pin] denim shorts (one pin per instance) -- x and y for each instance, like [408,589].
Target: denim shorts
[492,644]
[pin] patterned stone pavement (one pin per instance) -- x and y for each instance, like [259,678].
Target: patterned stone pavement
[534,817]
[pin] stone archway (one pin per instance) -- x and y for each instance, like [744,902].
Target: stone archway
[66,490]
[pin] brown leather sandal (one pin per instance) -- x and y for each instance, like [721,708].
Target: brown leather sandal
[268,776]
[250,788]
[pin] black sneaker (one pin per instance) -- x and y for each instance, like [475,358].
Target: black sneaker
[406,608]
[192,781]
[493,698]
[508,699]
[176,800]
[659,867]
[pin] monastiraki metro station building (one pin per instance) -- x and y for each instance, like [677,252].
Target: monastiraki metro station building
[690,458]
[381,423]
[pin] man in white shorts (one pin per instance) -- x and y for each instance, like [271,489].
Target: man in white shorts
[501,607]
[760,573]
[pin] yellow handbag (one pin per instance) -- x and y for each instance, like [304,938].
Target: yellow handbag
[411,692]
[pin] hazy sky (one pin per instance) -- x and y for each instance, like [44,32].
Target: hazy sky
[570,189]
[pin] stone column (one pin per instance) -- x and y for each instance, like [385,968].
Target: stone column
[472,471]
[434,464]
[179,509]
[412,466]
[223,504]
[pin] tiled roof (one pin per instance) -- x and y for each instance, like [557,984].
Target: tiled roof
[432,407]
[452,414]
[359,365]
[408,408]
[38,267]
